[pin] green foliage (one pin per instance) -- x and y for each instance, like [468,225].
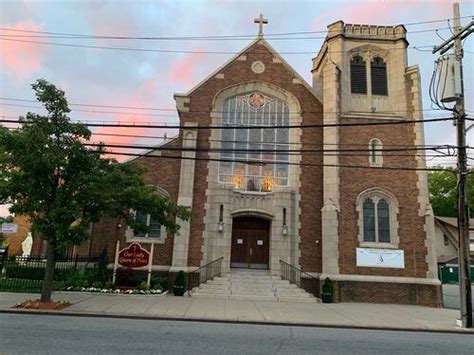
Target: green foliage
[160,283]
[328,286]
[50,172]
[443,194]
[19,271]
[142,286]
[180,280]
[102,272]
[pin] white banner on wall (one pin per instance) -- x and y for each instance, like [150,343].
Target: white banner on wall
[390,258]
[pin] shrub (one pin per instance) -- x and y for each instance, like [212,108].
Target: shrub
[143,286]
[102,272]
[180,279]
[130,278]
[328,286]
[159,283]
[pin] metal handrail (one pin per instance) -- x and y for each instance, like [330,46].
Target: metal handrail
[300,278]
[204,273]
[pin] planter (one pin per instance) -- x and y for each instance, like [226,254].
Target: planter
[178,290]
[326,297]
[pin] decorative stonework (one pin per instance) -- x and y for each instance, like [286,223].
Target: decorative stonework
[258,67]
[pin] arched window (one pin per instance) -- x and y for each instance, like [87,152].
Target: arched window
[254,145]
[156,232]
[147,220]
[375,152]
[378,72]
[378,213]
[358,75]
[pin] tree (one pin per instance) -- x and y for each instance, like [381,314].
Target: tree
[443,193]
[50,173]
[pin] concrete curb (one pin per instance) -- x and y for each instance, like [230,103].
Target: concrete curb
[229,321]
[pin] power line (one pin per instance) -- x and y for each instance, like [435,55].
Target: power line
[273,151]
[240,38]
[211,37]
[384,123]
[147,108]
[174,50]
[272,163]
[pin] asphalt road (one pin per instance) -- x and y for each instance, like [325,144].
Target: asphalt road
[37,334]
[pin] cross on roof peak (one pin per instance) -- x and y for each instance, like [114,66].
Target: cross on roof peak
[261,21]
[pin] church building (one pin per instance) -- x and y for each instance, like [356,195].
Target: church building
[315,177]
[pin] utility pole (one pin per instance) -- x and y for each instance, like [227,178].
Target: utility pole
[463,210]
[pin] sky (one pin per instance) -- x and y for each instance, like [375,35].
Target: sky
[149,79]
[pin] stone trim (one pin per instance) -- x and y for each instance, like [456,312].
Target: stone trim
[267,205]
[376,194]
[378,154]
[253,212]
[425,210]
[370,278]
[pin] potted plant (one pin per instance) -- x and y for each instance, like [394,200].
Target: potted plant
[328,290]
[179,286]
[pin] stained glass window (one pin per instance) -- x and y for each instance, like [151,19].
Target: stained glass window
[256,145]
[358,76]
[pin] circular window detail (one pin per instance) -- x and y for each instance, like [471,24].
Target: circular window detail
[258,67]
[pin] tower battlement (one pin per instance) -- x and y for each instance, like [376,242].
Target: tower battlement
[361,31]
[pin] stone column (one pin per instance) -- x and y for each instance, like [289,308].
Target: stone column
[330,210]
[185,197]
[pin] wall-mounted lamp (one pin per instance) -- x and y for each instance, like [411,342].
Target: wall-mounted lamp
[220,225]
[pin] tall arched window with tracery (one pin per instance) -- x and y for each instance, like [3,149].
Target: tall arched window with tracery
[265,149]
[378,218]
[358,75]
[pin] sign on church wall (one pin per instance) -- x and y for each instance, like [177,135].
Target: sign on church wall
[133,256]
[389,258]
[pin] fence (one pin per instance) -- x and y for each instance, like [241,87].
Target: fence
[449,274]
[300,278]
[204,273]
[25,274]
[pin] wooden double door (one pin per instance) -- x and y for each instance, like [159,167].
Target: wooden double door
[250,243]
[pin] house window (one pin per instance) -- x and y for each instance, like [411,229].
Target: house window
[378,218]
[358,75]
[154,226]
[375,153]
[446,240]
[378,72]
[266,144]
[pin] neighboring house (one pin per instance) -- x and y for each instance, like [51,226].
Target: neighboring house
[15,239]
[447,239]
[371,230]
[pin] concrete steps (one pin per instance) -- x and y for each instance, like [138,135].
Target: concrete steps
[252,285]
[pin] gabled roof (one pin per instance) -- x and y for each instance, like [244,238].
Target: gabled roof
[242,52]
[149,152]
[453,222]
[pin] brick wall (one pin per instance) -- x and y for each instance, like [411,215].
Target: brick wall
[403,184]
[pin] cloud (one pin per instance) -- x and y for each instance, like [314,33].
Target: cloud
[184,70]
[21,59]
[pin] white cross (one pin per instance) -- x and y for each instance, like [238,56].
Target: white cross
[261,21]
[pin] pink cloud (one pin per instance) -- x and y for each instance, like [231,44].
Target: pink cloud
[147,94]
[183,71]
[384,12]
[23,59]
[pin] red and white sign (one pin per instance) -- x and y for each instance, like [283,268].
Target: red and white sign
[133,256]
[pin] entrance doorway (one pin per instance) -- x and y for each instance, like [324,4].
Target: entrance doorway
[250,243]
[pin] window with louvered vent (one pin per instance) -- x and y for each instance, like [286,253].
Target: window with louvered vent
[378,71]
[358,76]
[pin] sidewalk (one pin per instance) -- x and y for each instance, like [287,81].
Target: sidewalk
[354,315]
